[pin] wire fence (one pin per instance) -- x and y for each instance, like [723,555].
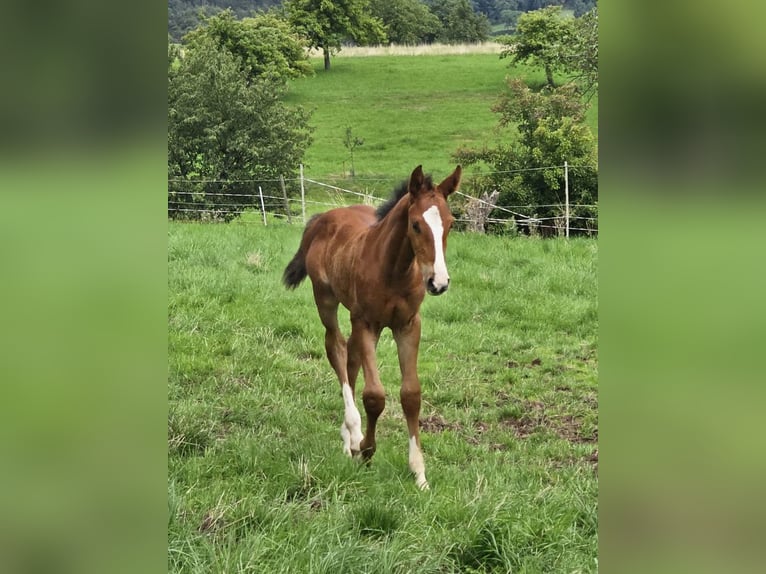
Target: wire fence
[255,201]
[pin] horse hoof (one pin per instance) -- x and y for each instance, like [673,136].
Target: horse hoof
[422,484]
[367,453]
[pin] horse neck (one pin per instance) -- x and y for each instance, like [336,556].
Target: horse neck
[391,244]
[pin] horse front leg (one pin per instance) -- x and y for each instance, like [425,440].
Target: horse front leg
[407,343]
[362,345]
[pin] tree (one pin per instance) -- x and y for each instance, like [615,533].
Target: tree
[581,58]
[543,38]
[327,23]
[185,15]
[460,23]
[406,21]
[264,44]
[351,142]
[223,128]
[551,130]
[508,12]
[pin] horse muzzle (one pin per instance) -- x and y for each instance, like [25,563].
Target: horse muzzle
[434,288]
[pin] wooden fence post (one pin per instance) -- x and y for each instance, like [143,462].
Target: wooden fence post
[287,203]
[263,207]
[566,196]
[303,197]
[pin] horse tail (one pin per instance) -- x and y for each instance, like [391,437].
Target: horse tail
[296,271]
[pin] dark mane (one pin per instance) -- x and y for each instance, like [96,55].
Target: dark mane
[399,192]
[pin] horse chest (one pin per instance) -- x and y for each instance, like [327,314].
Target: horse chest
[387,309]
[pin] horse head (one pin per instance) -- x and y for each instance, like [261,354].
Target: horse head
[429,223]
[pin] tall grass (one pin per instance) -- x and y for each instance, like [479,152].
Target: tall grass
[434,49]
[257,479]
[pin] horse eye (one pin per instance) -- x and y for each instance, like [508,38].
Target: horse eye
[416,227]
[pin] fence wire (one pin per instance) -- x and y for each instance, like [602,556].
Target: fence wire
[223,205]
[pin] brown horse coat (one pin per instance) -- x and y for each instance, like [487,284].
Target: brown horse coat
[379,265]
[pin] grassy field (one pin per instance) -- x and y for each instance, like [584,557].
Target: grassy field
[409,110]
[257,479]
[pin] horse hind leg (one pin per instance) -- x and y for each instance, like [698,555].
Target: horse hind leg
[335,346]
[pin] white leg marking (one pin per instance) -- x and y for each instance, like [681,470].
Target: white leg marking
[417,465]
[351,431]
[434,221]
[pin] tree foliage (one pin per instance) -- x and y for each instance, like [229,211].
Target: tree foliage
[264,44]
[225,127]
[543,38]
[326,24]
[407,21]
[556,44]
[551,130]
[460,23]
[582,57]
[185,15]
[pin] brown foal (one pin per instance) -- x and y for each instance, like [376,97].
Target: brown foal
[379,265]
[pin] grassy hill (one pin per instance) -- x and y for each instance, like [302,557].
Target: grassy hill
[408,110]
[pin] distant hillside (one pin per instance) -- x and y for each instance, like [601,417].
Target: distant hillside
[183,15]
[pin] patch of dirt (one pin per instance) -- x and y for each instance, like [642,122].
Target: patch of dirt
[535,416]
[437,424]
[522,427]
[569,428]
[534,363]
[593,459]
[211,522]
[502,398]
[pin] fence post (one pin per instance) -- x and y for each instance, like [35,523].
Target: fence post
[303,197]
[284,194]
[263,207]
[566,196]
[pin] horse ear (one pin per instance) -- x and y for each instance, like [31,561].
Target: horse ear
[452,182]
[416,180]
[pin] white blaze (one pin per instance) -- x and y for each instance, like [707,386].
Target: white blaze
[434,221]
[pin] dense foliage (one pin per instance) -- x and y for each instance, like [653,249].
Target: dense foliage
[554,43]
[228,130]
[543,38]
[550,124]
[185,15]
[460,23]
[405,20]
[326,24]
[529,173]
[265,45]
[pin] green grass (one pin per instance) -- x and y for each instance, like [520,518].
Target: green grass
[409,110]
[257,478]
